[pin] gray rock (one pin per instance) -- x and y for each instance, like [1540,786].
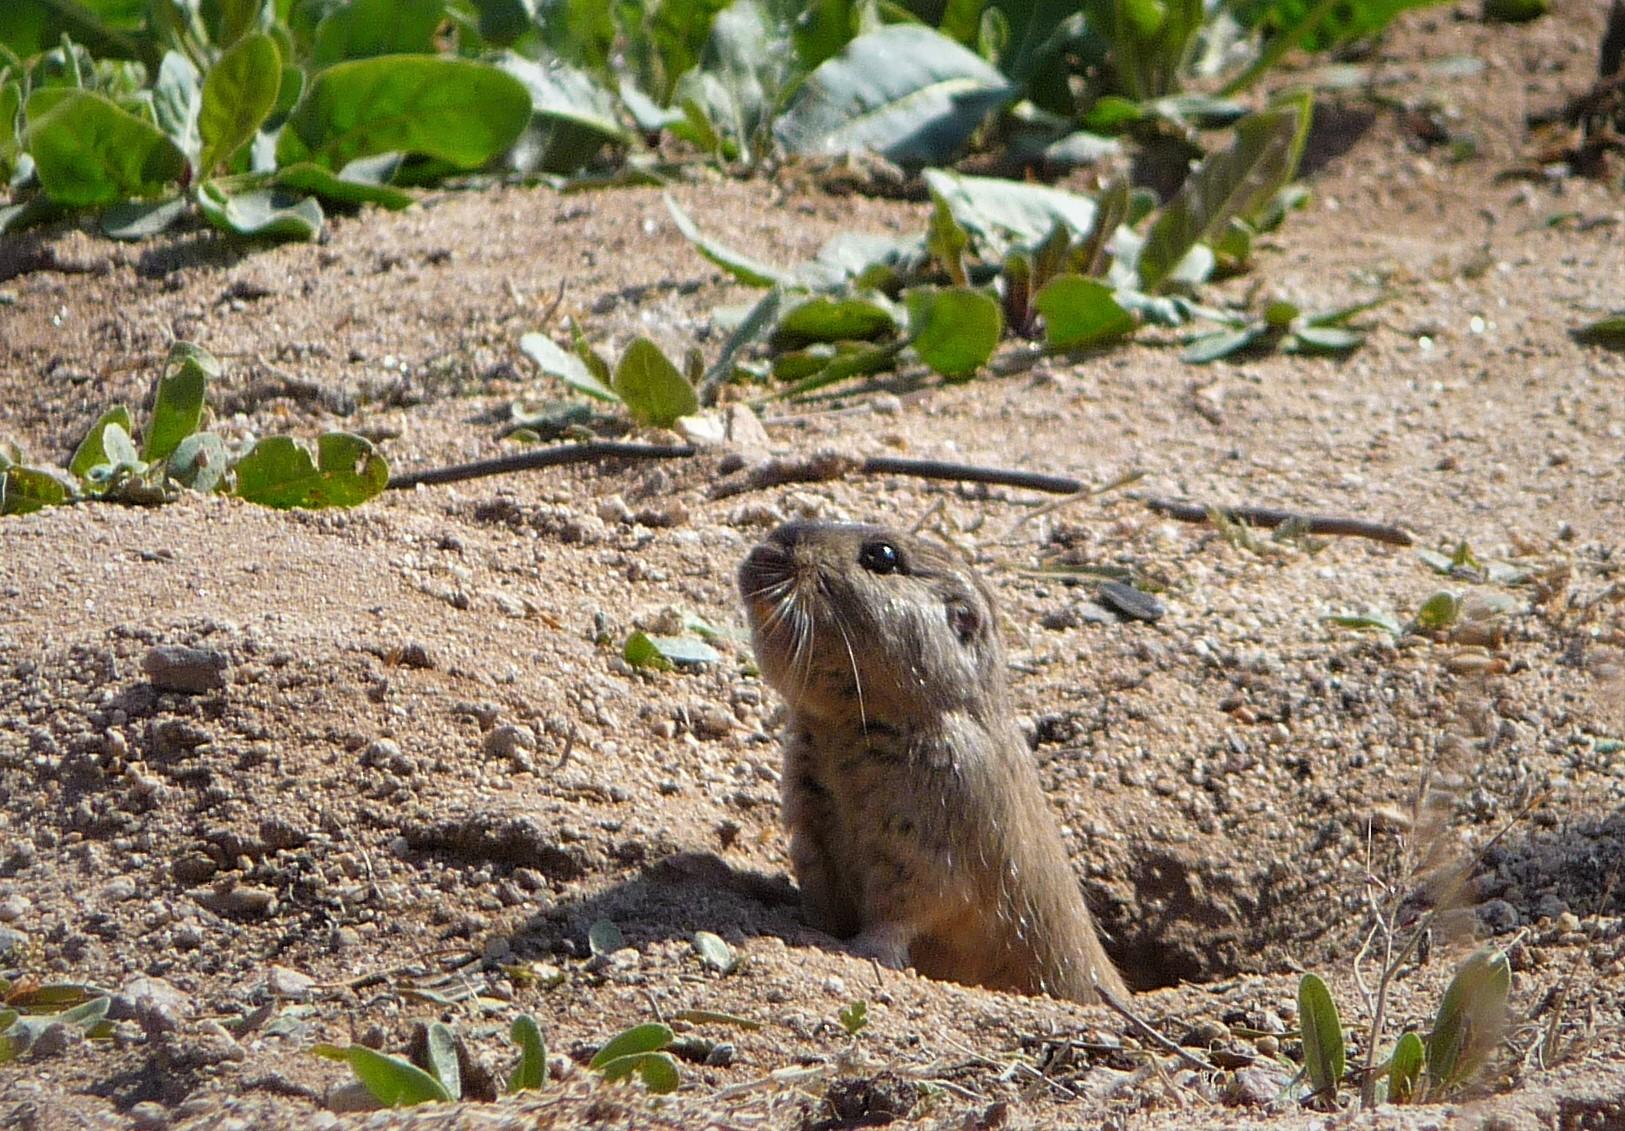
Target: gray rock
[1498,916]
[189,671]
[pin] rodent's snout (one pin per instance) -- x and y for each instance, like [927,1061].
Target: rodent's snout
[766,566]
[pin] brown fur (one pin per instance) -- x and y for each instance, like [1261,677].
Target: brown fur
[917,823]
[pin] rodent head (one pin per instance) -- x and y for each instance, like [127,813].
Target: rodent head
[862,622]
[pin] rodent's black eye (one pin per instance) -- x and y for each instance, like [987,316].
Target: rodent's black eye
[880,557]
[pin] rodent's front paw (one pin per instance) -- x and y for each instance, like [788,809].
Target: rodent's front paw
[885,943]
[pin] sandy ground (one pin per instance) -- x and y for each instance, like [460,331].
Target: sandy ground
[427,774]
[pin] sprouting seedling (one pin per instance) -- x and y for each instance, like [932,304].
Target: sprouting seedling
[854,1018]
[393,1081]
[530,1072]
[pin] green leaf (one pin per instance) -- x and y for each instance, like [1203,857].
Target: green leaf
[347,471]
[654,390]
[393,1082]
[120,448]
[200,462]
[1609,331]
[362,29]
[345,187]
[238,94]
[715,953]
[645,650]
[1471,1016]
[854,1018]
[1439,611]
[1000,214]
[1322,339]
[1080,312]
[572,116]
[87,151]
[531,1071]
[1322,1035]
[454,110]
[27,489]
[648,1037]
[903,91]
[1221,343]
[1375,618]
[177,100]
[831,319]
[948,242]
[1405,1068]
[954,330]
[1262,158]
[604,937]
[441,1052]
[568,368]
[741,267]
[657,1069]
[141,219]
[177,406]
[261,214]
[91,450]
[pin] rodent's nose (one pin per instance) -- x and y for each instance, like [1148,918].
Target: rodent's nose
[765,566]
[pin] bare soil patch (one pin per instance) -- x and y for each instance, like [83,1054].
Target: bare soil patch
[350,808]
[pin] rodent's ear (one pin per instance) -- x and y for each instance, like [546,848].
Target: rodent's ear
[964,619]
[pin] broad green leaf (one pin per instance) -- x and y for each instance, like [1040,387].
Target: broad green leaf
[280,473]
[177,406]
[1470,1020]
[1405,1068]
[361,29]
[653,389]
[11,103]
[261,214]
[646,650]
[238,94]
[954,330]
[904,91]
[441,1048]
[503,21]
[25,489]
[741,267]
[87,151]
[572,116]
[604,937]
[1221,343]
[648,1037]
[1080,312]
[1439,611]
[531,1071]
[567,367]
[1262,158]
[715,953]
[657,1069]
[28,27]
[1322,1035]
[948,242]
[344,187]
[455,110]
[141,219]
[831,364]
[91,451]
[119,447]
[177,100]
[200,462]
[830,319]
[393,1082]
[1000,214]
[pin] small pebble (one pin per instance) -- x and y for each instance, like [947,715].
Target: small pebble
[187,671]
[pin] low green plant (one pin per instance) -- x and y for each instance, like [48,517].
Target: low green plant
[854,1018]
[175,453]
[27,1009]
[640,1051]
[1467,1027]
[395,1081]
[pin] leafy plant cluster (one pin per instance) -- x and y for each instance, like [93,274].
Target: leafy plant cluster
[1467,1029]
[997,259]
[255,112]
[28,1009]
[174,453]
[395,1081]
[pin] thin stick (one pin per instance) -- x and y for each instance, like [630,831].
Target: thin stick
[1145,1030]
[546,457]
[1270,517]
